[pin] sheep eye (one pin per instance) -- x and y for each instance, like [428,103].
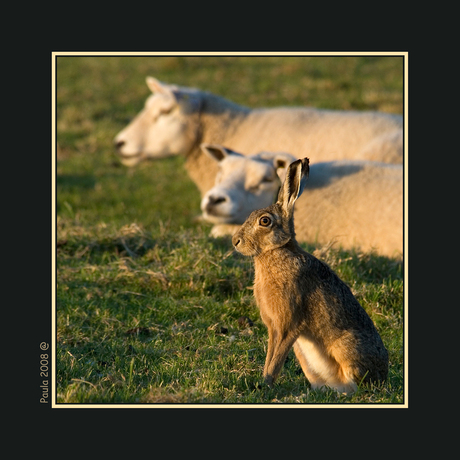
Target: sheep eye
[165,111]
[265,221]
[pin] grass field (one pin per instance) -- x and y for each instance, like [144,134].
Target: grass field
[149,308]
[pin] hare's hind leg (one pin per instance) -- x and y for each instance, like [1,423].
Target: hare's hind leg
[313,377]
[321,368]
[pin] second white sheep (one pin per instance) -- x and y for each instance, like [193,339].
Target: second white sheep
[357,204]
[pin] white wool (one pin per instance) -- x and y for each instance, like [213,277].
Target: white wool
[176,120]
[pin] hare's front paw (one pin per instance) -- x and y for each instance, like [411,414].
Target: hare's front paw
[269,380]
[221,230]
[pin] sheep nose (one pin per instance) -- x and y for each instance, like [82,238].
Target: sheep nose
[119,144]
[213,200]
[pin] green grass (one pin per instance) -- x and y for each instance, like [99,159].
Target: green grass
[148,306]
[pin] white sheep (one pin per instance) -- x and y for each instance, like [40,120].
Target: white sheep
[357,204]
[176,120]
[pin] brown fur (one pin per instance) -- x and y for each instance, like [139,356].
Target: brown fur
[304,303]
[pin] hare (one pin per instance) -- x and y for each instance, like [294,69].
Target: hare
[304,303]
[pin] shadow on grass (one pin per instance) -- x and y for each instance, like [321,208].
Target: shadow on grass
[75,181]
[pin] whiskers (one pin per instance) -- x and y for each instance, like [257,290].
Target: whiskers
[228,253]
[251,246]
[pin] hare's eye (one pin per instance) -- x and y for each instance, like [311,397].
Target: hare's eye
[265,221]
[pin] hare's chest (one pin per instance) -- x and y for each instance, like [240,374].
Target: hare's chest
[273,294]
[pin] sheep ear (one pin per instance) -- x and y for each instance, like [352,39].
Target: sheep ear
[217,152]
[281,161]
[157,86]
[293,185]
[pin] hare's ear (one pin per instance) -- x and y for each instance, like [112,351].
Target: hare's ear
[293,184]
[217,152]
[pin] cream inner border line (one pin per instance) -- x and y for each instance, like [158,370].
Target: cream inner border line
[54,54]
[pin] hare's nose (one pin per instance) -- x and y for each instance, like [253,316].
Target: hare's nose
[236,241]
